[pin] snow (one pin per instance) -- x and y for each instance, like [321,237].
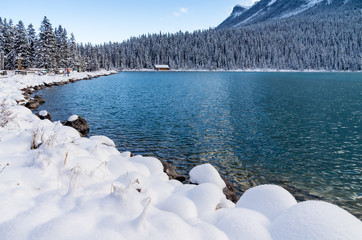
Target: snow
[269,200]
[302,8]
[55,184]
[72,118]
[43,113]
[271,2]
[315,220]
[206,173]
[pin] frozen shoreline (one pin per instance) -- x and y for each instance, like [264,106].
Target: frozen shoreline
[84,188]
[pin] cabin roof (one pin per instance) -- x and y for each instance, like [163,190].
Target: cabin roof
[161,66]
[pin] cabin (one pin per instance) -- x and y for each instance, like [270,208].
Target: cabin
[162,67]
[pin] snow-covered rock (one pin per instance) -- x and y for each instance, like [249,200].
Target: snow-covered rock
[315,220]
[73,118]
[206,173]
[269,200]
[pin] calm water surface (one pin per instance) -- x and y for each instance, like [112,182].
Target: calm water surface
[300,130]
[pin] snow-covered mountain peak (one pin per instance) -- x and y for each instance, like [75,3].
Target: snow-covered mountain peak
[238,10]
[264,10]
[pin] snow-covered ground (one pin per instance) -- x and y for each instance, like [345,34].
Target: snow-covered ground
[72,187]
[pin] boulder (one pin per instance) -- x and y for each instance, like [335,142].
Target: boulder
[39,99]
[32,104]
[171,172]
[37,88]
[78,123]
[44,115]
[229,191]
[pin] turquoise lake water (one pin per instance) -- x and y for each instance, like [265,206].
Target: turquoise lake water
[302,131]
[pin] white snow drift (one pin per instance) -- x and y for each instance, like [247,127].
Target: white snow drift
[83,188]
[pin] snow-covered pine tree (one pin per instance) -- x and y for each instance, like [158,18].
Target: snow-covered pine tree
[73,60]
[22,46]
[1,36]
[65,53]
[46,48]
[32,44]
[9,45]
[62,55]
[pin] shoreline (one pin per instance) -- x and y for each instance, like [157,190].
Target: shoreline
[244,185]
[68,176]
[240,70]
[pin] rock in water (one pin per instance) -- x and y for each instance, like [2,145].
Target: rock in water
[44,115]
[39,99]
[171,172]
[32,104]
[79,123]
[229,191]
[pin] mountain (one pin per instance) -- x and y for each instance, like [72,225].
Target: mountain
[278,9]
[237,11]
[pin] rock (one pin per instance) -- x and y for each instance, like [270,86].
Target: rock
[32,104]
[26,96]
[30,91]
[80,124]
[37,88]
[39,99]
[171,172]
[44,115]
[229,191]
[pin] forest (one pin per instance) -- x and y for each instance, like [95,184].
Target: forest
[330,41]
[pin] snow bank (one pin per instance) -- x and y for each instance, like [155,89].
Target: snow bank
[55,184]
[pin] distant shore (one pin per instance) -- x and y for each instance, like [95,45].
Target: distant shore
[239,70]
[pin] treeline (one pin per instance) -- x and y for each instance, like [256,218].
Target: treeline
[49,49]
[320,42]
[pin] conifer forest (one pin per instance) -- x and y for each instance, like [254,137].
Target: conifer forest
[309,42]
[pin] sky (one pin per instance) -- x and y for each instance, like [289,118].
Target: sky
[117,20]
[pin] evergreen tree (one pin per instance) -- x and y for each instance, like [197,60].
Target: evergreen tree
[1,36]
[73,60]
[11,57]
[22,46]
[46,49]
[32,44]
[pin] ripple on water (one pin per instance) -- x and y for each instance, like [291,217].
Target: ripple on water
[299,130]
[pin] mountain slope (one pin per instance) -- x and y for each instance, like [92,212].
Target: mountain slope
[277,9]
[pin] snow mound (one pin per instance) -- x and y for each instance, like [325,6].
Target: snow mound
[270,200]
[316,220]
[206,173]
[241,223]
[103,140]
[72,118]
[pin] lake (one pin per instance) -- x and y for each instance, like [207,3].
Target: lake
[302,131]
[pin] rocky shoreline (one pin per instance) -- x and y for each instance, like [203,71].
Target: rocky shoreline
[53,181]
[81,125]
[34,102]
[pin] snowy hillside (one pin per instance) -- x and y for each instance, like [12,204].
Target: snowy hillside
[277,9]
[55,184]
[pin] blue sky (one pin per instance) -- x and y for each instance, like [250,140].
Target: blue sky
[117,20]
